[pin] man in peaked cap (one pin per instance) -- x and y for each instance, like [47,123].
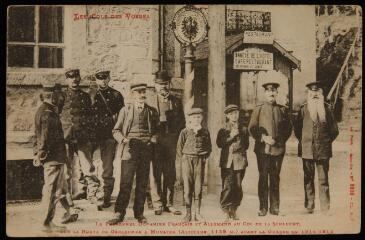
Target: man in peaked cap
[76,118]
[107,103]
[172,121]
[270,127]
[135,130]
[316,129]
[50,151]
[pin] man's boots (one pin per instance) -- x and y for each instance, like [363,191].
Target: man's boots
[187,217]
[198,216]
[227,215]
[149,201]
[106,201]
[232,213]
[67,217]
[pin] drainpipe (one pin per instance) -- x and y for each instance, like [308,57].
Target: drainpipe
[161,29]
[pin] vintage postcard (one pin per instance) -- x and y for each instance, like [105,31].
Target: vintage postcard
[183,120]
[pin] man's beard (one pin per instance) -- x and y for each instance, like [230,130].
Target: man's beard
[316,109]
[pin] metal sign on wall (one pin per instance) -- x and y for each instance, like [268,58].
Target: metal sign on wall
[189,25]
[258,37]
[253,59]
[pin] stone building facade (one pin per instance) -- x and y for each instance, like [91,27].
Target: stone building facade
[43,41]
[133,42]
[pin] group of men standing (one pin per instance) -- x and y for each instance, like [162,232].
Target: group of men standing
[102,120]
[315,129]
[74,123]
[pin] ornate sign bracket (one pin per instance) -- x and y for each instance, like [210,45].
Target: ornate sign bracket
[190,28]
[189,25]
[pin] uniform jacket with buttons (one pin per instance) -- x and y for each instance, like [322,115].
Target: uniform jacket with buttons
[124,123]
[76,116]
[238,145]
[315,138]
[106,106]
[49,143]
[273,120]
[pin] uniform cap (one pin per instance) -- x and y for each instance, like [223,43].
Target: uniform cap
[274,84]
[102,74]
[230,108]
[195,111]
[138,86]
[314,86]
[72,73]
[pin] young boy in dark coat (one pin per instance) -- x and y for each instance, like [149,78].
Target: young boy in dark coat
[233,141]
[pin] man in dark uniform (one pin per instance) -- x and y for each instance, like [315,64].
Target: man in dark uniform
[135,130]
[270,127]
[107,103]
[172,121]
[79,133]
[316,129]
[50,151]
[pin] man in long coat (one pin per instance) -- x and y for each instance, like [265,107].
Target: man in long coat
[316,129]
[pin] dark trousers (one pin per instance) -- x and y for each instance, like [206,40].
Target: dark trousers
[139,166]
[107,153]
[193,168]
[269,168]
[232,193]
[164,171]
[324,192]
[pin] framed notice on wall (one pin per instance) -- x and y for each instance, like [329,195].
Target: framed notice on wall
[253,59]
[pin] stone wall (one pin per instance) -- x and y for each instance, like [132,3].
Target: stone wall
[126,43]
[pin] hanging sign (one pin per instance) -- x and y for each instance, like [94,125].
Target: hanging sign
[253,59]
[258,37]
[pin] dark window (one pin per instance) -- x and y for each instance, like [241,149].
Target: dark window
[21,24]
[35,36]
[50,57]
[20,56]
[51,24]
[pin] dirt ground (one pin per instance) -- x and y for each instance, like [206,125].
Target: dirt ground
[23,219]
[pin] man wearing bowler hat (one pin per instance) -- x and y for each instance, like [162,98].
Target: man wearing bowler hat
[107,103]
[79,132]
[172,121]
[135,130]
[316,129]
[270,127]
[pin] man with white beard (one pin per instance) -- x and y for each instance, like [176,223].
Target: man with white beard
[316,129]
